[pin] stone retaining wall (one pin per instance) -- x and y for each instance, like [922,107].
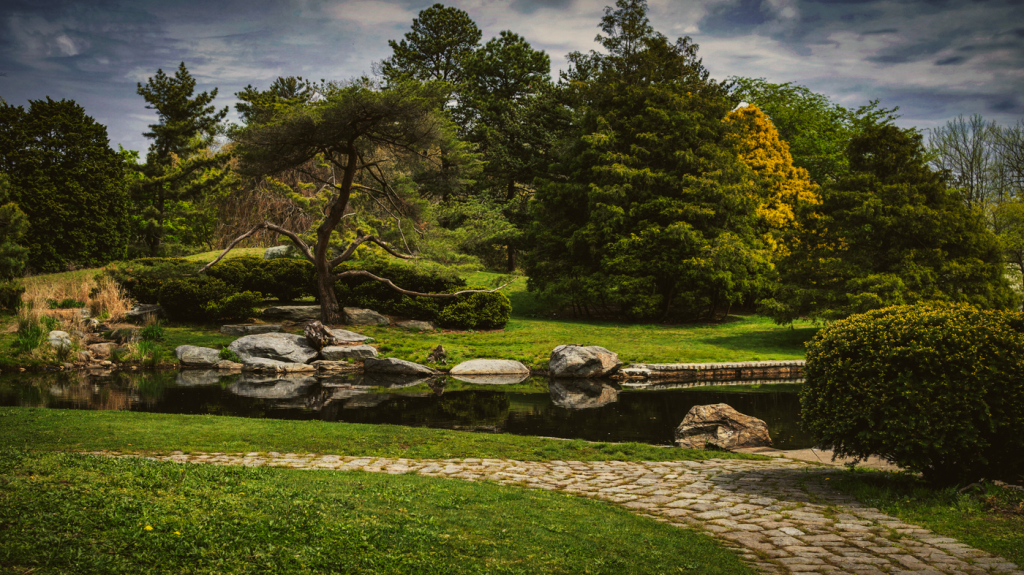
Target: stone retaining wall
[747,370]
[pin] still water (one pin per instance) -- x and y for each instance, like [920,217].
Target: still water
[597,410]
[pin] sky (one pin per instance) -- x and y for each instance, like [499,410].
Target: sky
[934,59]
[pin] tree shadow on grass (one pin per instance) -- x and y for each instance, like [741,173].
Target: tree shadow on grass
[774,341]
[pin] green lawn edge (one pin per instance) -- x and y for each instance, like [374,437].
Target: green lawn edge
[138,432]
[66,513]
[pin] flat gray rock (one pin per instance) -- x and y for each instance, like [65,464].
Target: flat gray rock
[356,316]
[292,312]
[194,356]
[510,379]
[345,336]
[582,394]
[343,352]
[334,366]
[249,329]
[273,365]
[102,350]
[583,361]
[277,346]
[416,325]
[490,367]
[396,366]
[276,252]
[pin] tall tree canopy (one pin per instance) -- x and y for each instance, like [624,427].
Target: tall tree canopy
[367,139]
[889,233]
[181,167]
[649,209]
[780,187]
[435,49]
[816,129]
[68,181]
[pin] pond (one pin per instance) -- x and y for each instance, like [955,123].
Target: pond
[596,410]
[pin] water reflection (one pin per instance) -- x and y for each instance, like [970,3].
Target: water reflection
[588,409]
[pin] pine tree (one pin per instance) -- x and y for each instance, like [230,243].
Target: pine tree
[181,167]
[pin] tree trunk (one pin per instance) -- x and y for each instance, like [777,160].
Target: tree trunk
[330,311]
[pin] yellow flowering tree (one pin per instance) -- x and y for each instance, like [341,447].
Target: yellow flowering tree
[780,185]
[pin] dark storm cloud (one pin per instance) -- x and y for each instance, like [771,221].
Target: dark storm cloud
[935,60]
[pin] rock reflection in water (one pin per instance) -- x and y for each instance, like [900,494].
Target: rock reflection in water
[284,386]
[493,379]
[582,393]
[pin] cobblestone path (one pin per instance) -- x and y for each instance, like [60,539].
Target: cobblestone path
[780,515]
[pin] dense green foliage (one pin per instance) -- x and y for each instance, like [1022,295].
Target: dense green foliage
[648,214]
[935,389]
[141,279]
[190,298]
[69,183]
[435,49]
[889,233]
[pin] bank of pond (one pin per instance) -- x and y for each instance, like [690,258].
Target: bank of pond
[595,410]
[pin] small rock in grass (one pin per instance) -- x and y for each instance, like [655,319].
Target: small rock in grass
[416,325]
[357,316]
[194,356]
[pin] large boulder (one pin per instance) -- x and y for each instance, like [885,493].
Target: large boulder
[582,394]
[292,312]
[102,350]
[356,316]
[344,352]
[277,346]
[275,366]
[490,367]
[59,338]
[193,356]
[344,337]
[249,329]
[396,366]
[722,427]
[583,361]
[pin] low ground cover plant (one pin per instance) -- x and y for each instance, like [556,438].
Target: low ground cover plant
[932,388]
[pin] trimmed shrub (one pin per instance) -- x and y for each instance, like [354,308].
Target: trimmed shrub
[476,310]
[188,299]
[935,389]
[142,279]
[288,279]
[244,273]
[366,293]
[243,305]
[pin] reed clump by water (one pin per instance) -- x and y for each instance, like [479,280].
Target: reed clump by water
[103,298]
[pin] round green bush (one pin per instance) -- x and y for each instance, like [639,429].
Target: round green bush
[142,278]
[476,310]
[287,279]
[189,299]
[935,389]
[244,273]
[243,305]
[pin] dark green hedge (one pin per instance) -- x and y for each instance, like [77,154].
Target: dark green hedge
[199,298]
[935,389]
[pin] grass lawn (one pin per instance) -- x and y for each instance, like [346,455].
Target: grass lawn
[67,513]
[986,517]
[79,430]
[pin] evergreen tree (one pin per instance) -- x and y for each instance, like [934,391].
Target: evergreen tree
[649,212]
[181,167]
[435,49]
[889,233]
[69,183]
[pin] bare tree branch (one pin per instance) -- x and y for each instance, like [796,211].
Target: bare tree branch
[264,226]
[390,284]
[361,240]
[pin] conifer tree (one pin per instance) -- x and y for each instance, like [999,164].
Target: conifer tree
[181,166]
